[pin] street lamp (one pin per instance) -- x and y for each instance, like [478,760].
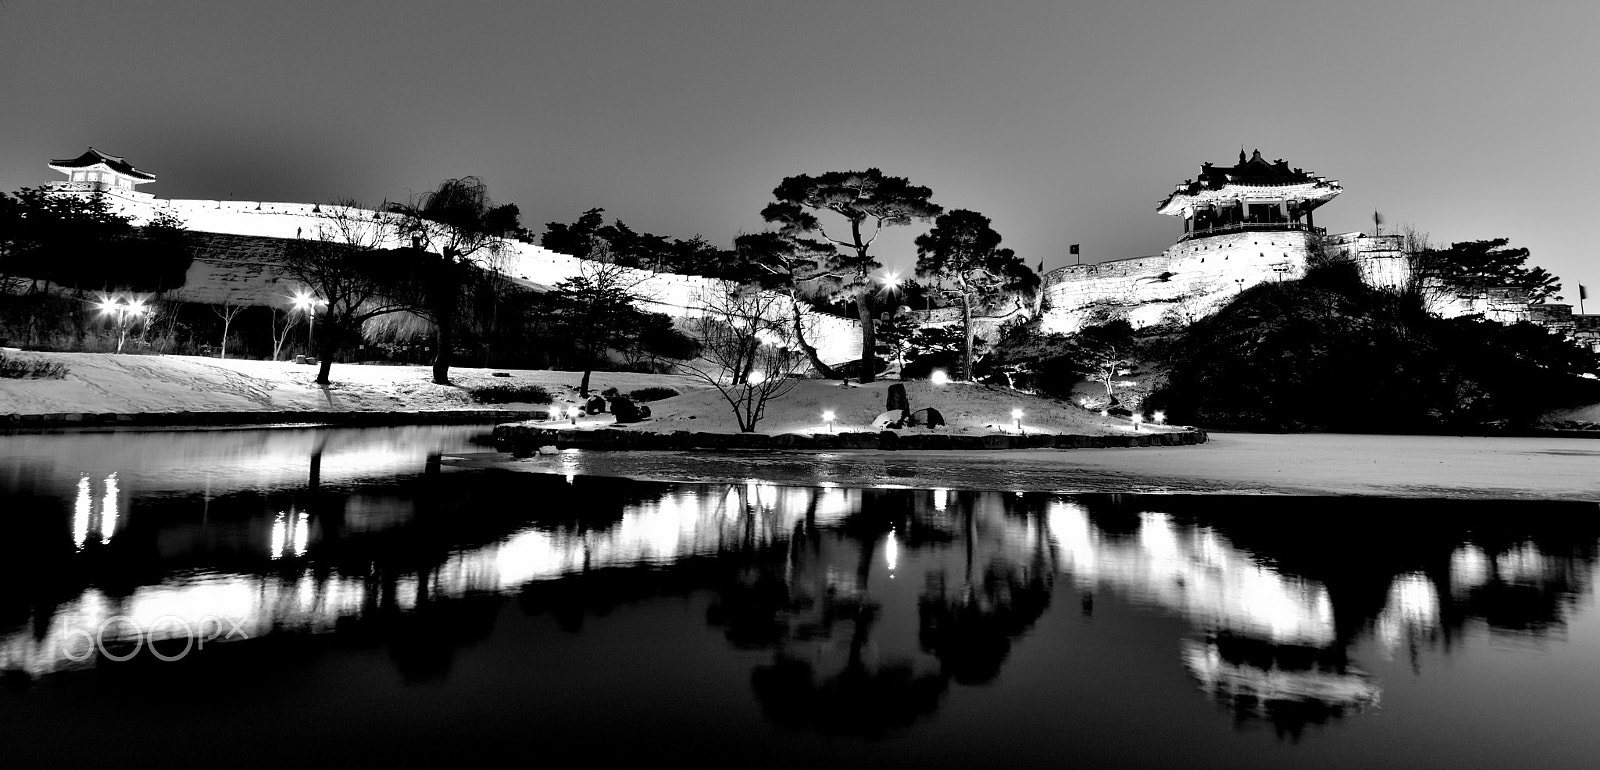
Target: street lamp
[827,417]
[307,304]
[126,311]
[1016,414]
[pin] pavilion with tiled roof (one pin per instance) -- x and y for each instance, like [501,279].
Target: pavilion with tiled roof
[1255,194]
[100,169]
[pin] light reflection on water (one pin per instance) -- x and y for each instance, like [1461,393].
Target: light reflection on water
[873,603]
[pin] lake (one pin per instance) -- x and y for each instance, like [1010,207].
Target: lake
[276,597]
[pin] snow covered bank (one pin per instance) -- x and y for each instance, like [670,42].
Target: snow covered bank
[101,383]
[968,409]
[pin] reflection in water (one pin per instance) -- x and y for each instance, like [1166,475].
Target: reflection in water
[870,606]
[89,522]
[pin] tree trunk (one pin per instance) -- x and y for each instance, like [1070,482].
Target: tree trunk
[966,328]
[325,350]
[811,352]
[444,324]
[226,322]
[446,300]
[869,358]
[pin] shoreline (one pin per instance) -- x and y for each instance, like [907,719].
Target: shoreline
[234,420]
[1289,465]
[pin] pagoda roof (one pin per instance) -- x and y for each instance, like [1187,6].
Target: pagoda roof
[1254,171]
[95,157]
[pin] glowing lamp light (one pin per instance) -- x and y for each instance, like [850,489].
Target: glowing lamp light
[891,280]
[1016,414]
[1137,418]
[755,378]
[827,417]
[1159,417]
[573,412]
[940,377]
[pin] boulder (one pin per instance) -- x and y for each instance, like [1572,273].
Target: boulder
[898,402]
[928,418]
[595,405]
[627,411]
[890,419]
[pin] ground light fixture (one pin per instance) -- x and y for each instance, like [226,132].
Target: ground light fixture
[1016,414]
[827,417]
[1159,417]
[939,377]
[573,412]
[1137,418]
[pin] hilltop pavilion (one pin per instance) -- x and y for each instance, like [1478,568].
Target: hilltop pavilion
[1254,195]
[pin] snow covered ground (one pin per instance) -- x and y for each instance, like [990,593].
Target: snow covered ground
[966,407]
[129,384]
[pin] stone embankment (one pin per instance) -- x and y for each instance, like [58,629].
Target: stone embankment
[352,419]
[527,439]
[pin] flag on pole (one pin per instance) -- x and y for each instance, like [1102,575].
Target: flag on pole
[1073,249]
[1583,291]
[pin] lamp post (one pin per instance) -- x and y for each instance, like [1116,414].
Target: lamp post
[827,417]
[126,312]
[1016,414]
[307,304]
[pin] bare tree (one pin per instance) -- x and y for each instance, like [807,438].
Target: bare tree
[342,267]
[227,311]
[745,351]
[280,333]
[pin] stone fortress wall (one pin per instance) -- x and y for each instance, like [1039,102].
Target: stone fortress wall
[232,228]
[1194,278]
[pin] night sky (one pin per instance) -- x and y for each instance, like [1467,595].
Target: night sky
[1064,122]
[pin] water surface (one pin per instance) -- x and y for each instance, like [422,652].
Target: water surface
[348,594]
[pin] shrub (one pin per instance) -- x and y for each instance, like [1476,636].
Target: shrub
[509,393]
[30,369]
[652,394]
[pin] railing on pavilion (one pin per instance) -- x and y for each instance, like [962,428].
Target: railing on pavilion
[1244,227]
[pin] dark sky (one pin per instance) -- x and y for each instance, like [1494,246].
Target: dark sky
[1064,122]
